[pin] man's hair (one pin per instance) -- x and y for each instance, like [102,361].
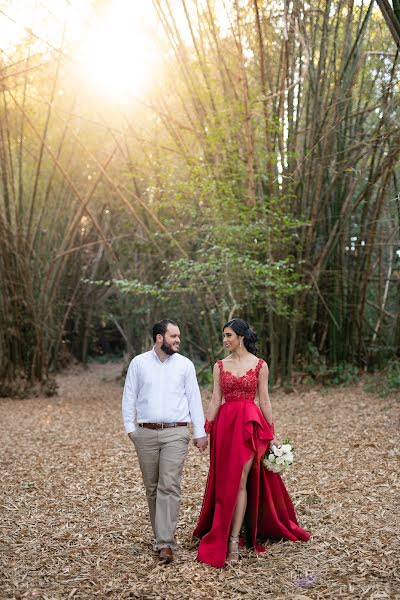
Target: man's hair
[161,327]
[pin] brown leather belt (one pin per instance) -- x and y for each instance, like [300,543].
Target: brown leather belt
[161,425]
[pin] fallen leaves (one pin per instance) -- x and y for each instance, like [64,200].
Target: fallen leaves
[74,515]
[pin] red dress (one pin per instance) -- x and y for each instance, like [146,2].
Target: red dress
[239,432]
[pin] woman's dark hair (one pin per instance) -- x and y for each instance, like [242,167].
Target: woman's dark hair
[161,327]
[241,327]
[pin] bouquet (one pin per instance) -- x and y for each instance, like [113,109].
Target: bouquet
[279,458]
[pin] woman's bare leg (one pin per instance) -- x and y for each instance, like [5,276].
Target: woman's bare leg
[238,515]
[241,502]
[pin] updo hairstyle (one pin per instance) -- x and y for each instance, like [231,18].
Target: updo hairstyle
[242,328]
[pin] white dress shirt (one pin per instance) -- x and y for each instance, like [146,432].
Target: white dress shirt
[162,392]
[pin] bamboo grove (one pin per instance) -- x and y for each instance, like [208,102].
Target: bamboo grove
[258,178]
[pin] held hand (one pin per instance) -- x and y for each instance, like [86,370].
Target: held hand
[201,443]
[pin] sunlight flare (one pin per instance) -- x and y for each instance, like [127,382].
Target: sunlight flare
[117,58]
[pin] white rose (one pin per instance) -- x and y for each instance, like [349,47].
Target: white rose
[286,448]
[280,460]
[288,458]
[271,458]
[278,451]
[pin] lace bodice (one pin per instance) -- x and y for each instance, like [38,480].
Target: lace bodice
[242,388]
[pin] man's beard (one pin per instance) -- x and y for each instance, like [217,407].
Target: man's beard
[167,348]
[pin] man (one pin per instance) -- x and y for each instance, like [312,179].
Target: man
[161,397]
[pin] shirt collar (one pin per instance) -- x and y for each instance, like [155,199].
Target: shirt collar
[157,358]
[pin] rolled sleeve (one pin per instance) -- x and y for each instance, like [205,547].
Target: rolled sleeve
[194,402]
[129,398]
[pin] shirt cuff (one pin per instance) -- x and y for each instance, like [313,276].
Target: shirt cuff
[199,432]
[130,428]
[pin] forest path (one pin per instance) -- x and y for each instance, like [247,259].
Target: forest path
[74,518]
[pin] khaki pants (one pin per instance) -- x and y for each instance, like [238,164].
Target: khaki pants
[161,454]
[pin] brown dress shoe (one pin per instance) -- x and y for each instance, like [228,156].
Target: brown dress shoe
[166,555]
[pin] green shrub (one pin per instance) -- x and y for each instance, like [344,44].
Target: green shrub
[316,370]
[385,382]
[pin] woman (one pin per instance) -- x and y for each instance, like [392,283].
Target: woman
[241,434]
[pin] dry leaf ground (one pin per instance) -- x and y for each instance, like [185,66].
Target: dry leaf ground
[74,519]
